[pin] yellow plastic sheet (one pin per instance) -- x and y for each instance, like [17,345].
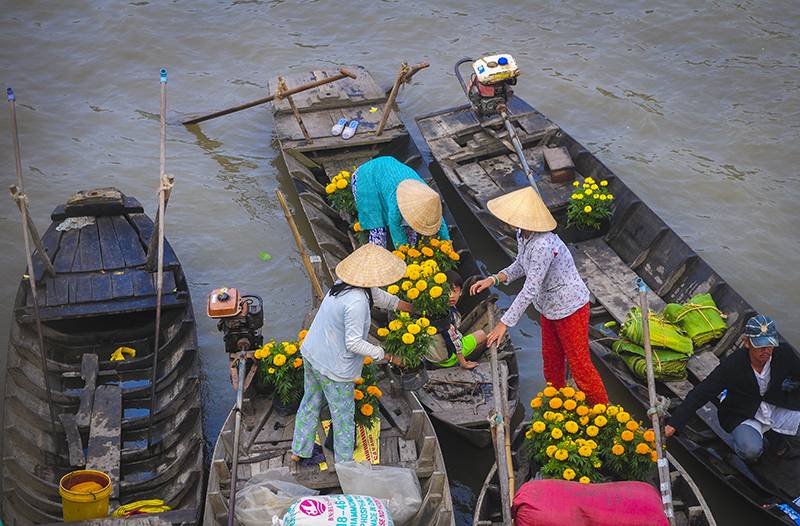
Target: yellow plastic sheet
[120,354]
[367,443]
[140,507]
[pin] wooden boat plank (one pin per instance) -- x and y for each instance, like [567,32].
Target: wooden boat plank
[109,244]
[475,177]
[57,290]
[122,284]
[142,283]
[89,368]
[130,243]
[101,287]
[67,248]
[340,94]
[389,453]
[50,240]
[143,226]
[82,291]
[108,307]
[361,138]
[88,257]
[105,433]
[444,147]
[74,441]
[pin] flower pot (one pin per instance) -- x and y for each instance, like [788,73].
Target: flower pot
[284,409]
[577,234]
[409,379]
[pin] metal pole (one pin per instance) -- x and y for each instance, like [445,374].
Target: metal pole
[518,148]
[653,411]
[497,422]
[23,202]
[160,270]
[236,431]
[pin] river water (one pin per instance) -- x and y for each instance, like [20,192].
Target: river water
[694,105]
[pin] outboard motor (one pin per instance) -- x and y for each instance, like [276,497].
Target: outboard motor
[491,81]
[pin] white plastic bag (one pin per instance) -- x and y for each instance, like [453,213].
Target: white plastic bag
[399,487]
[336,510]
[267,495]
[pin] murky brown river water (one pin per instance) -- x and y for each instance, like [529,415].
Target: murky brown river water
[694,105]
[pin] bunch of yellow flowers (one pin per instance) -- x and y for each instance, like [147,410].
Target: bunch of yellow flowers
[409,338]
[281,366]
[367,395]
[431,248]
[572,440]
[340,194]
[591,203]
[425,287]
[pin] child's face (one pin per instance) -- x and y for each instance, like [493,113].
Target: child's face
[455,294]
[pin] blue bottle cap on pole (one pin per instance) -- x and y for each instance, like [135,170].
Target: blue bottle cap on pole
[502,61]
[10,94]
[163,75]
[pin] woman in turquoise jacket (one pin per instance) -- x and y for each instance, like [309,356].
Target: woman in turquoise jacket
[392,199]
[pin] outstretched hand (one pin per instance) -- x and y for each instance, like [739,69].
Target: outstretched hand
[480,286]
[669,431]
[496,334]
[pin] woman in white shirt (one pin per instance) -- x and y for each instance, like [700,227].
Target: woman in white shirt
[336,344]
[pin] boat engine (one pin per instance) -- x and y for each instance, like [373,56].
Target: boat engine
[240,318]
[490,83]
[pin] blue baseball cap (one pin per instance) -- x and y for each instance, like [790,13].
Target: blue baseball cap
[761,331]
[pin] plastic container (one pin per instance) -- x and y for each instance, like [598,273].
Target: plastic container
[84,495]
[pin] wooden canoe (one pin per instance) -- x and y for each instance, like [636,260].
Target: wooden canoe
[475,167]
[689,505]
[457,398]
[102,298]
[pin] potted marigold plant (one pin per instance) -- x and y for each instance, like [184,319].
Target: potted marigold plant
[340,194]
[425,287]
[571,440]
[588,210]
[281,366]
[367,395]
[409,339]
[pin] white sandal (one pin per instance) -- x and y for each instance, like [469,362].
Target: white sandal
[350,130]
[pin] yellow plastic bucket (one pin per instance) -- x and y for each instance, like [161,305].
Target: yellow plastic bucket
[84,495]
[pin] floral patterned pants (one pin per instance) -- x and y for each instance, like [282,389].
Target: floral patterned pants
[567,340]
[339,396]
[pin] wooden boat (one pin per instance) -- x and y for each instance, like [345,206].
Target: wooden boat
[457,398]
[474,166]
[689,505]
[101,298]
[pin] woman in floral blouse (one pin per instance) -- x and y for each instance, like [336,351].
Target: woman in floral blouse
[553,286]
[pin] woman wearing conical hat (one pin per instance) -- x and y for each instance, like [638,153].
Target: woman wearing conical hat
[336,344]
[553,286]
[392,200]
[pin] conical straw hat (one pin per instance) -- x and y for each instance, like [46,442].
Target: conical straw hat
[420,206]
[370,266]
[523,209]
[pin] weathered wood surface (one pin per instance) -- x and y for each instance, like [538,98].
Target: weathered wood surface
[105,434]
[89,369]
[343,93]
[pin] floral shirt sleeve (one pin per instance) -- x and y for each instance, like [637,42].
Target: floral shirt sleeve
[534,264]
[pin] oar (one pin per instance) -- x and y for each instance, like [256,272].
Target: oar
[497,421]
[653,411]
[22,201]
[315,284]
[342,74]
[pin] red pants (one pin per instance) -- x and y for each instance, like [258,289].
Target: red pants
[567,340]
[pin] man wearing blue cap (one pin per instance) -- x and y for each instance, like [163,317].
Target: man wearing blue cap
[760,381]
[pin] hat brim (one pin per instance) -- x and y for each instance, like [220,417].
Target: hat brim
[370,266]
[763,341]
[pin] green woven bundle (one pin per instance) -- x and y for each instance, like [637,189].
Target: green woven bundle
[662,333]
[667,365]
[699,318]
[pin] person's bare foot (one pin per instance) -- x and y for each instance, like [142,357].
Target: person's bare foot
[295,458]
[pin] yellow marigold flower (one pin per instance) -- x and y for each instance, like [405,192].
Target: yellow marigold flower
[571,426]
[290,349]
[330,188]
[595,187]
[366,410]
[549,416]
[538,426]
[529,434]
[568,474]
[555,403]
[302,334]
[600,421]
[556,433]
[559,417]
[585,451]
[383,332]
[588,191]
[421,285]
[358,381]
[574,196]
[297,363]
[431,330]
[642,448]
[623,417]
[612,410]
[576,183]
[584,480]
[413,293]
[395,325]
[568,391]
[536,403]
[373,390]
[598,464]
[392,289]
[626,435]
[344,173]
[654,456]
[403,248]
[454,256]
[271,370]
[610,196]
[589,180]
[357,226]
[367,359]
[578,196]
[427,251]
[399,254]
[570,404]
[586,185]
[562,454]
[408,338]
[587,209]
[580,396]
[649,435]
[434,242]
[632,425]
[550,391]
[440,278]
[406,285]
[582,410]
[618,449]
[603,183]
[592,444]
[592,431]
[413,275]
[602,197]
[435,291]
[341,184]
[279,359]
[550,450]
[599,409]
[423,322]
[414,253]
[413,328]
[584,420]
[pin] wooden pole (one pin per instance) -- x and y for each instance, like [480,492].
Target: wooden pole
[507,429]
[164,185]
[315,284]
[282,88]
[387,108]
[498,427]
[317,83]
[23,208]
[16,195]
[653,411]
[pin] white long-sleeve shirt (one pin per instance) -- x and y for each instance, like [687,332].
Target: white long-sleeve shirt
[336,342]
[552,282]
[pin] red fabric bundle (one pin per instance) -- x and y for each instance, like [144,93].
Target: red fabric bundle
[559,502]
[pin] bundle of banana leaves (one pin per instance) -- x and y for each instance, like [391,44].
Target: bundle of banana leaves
[699,318]
[663,334]
[668,365]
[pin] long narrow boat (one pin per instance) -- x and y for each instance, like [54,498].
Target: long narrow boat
[690,507]
[102,298]
[474,166]
[458,398]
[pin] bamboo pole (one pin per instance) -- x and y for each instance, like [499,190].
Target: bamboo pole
[653,411]
[387,108]
[164,186]
[17,196]
[22,201]
[512,483]
[283,88]
[497,422]
[317,83]
[315,284]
